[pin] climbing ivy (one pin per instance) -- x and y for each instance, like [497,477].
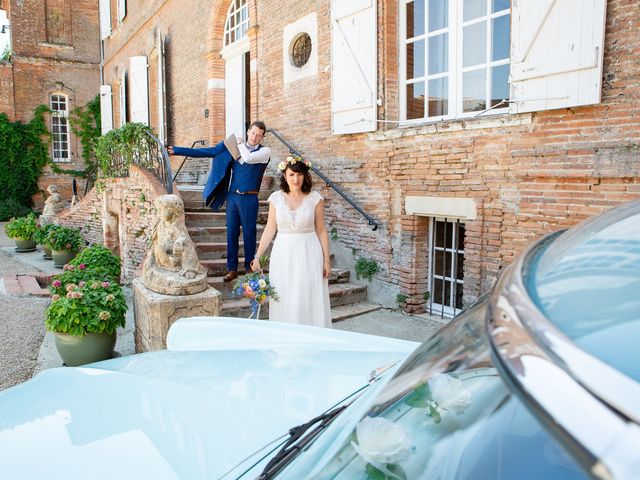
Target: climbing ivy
[123,146]
[23,155]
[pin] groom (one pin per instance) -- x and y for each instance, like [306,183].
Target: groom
[236,174]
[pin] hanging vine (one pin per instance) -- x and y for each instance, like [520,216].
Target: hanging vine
[23,155]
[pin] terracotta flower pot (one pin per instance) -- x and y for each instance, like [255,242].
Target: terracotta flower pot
[79,350]
[24,245]
[62,257]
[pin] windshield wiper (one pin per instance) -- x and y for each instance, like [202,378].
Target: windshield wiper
[298,441]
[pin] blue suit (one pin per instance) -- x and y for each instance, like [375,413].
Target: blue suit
[230,180]
[215,191]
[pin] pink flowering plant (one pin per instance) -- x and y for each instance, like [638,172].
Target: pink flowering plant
[89,306]
[95,263]
[256,287]
[65,238]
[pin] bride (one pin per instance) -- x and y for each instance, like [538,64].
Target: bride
[299,268]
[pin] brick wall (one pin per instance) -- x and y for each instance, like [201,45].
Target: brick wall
[131,200]
[56,50]
[6,90]
[528,174]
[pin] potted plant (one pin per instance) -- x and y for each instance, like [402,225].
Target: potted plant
[85,311]
[21,229]
[99,260]
[65,243]
[40,237]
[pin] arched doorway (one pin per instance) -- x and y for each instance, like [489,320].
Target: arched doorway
[235,54]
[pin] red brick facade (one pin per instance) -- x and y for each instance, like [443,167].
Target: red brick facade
[55,51]
[528,174]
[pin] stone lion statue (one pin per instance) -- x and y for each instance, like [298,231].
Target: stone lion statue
[171,266]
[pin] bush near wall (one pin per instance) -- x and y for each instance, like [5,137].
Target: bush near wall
[23,156]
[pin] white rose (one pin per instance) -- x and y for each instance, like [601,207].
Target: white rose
[449,394]
[381,442]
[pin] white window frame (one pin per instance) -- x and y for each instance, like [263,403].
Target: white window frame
[122,10]
[60,117]
[122,94]
[433,302]
[455,59]
[237,9]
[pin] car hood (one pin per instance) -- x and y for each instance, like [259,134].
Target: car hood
[183,413]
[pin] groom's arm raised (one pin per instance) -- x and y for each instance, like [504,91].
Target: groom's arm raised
[207,152]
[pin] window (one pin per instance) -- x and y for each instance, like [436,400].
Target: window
[123,99]
[235,28]
[454,58]
[447,267]
[122,10]
[60,128]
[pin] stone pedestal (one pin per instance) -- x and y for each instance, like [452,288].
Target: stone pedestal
[155,312]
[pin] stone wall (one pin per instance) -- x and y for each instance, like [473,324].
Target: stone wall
[6,90]
[122,211]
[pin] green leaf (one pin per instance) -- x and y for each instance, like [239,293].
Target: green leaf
[433,412]
[374,474]
[420,397]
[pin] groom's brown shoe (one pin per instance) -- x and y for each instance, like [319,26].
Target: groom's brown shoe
[230,276]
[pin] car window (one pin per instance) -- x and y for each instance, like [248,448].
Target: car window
[587,282]
[447,414]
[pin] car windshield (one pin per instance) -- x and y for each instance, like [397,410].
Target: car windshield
[587,282]
[446,413]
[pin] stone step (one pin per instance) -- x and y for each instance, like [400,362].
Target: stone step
[343,312]
[214,219]
[200,207]
[225,288]
[340,295]
[218,266]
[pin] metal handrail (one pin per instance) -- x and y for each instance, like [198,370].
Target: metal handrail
[329,183]
[162,165]
[201,142]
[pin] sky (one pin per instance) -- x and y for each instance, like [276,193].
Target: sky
[4,38]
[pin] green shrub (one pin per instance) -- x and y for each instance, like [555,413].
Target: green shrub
[121,147]
[366,268]
[401,298]
[24,152]
[99,258]
[10,207]
[21,228]
[90,306]
[65,238]
[41,234]
[426,296]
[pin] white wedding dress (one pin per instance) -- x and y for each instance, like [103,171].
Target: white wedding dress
[295,269]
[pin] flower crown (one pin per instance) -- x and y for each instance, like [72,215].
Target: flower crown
[291,160]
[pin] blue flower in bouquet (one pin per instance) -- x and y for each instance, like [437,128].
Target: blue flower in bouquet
[256,287]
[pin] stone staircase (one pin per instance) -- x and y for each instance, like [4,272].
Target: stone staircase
[209,233]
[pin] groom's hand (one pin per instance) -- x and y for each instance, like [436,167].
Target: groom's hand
[170,149]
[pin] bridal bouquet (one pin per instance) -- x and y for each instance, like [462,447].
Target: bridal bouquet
[256,287]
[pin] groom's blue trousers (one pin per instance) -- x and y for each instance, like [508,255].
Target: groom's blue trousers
[242,211]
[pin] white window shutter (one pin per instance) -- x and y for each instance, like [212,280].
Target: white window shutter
[139,90]
[123,98]
[122,9]
[106,110]
[556,53]
[354,82]
[105,19]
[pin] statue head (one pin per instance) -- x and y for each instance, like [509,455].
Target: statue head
[169,206]
[52,189]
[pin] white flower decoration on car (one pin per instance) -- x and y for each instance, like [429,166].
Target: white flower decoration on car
[381,442]
[448,394]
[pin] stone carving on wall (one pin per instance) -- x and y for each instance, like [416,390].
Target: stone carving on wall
[171,266]
[52,206]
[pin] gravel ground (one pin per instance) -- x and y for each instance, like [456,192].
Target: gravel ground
[21,328]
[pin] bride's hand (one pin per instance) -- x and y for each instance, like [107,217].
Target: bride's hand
[326,269]
[255,265]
